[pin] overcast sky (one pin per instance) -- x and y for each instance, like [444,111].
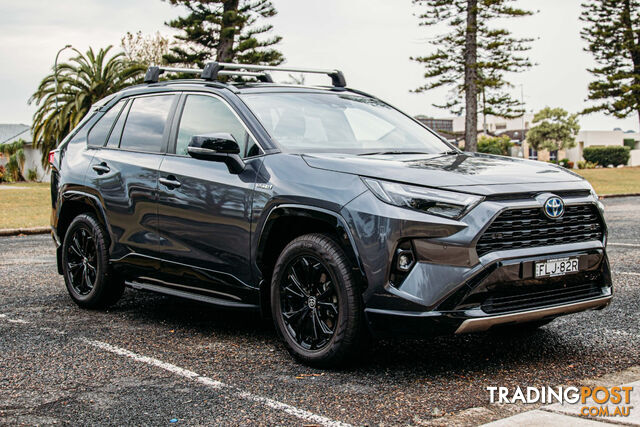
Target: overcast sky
[370,40]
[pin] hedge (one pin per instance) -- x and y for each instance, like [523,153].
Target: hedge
[606,155]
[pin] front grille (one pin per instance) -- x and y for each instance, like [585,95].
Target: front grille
[514,299]
[529,228]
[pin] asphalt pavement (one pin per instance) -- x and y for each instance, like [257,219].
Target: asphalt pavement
[153,359]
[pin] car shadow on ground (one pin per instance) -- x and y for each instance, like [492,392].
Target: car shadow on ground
[441,355]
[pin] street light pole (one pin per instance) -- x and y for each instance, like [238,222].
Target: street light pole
[55,79]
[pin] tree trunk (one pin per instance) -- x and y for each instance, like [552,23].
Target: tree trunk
[228,30]
[471,78]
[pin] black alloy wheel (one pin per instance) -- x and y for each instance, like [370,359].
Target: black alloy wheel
[82,260]
[316,302]
[85,264]
[309,302]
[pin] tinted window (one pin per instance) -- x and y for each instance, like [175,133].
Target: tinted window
[98,134]
[116,132]
[205,114]
[146,122]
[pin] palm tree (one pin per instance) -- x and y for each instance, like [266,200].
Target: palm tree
[15,152]
[82,81]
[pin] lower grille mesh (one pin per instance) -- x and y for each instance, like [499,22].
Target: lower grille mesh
[530,297]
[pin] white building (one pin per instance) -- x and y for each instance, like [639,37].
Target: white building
[496,125]
[33,156]
[588,138]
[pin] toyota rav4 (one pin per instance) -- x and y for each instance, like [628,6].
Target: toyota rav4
[327,209]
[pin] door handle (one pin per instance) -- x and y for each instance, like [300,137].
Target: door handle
[170,182]
[101,168]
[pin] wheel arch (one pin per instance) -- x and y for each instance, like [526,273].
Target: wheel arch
[286,222]
[72,204]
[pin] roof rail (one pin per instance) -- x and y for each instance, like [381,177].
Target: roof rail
[212,70]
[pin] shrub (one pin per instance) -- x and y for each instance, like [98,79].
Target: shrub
[3,174]
[498,145]
[606,155]
[564,162]
[630,142]
[583,164]
[32,175]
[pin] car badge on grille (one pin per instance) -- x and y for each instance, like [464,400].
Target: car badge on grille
[553,207]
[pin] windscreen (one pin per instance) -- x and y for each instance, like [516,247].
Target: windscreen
[319,122]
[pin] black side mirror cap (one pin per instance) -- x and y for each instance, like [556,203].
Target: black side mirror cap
[217,147]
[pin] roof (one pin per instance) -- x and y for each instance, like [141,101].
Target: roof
[10,132]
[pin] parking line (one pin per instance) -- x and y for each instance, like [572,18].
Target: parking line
[631,273]
[209,382]
[629,245]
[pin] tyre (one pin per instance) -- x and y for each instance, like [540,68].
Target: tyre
[85,264]
[316,304]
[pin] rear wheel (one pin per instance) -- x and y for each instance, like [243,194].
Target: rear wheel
[85,264]
[316,303]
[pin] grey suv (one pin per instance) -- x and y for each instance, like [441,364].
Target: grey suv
[327,209]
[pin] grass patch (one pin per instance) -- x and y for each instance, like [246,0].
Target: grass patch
[28,204]
[613,180]
[25,204]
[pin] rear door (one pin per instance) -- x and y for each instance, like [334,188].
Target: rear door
[204,211]
[125,172]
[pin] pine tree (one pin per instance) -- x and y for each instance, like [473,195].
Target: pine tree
[473,58]
[225,31]
[613,36]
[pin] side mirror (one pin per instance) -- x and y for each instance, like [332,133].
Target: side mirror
[217,147]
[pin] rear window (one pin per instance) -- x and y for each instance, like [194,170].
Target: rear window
[146,122]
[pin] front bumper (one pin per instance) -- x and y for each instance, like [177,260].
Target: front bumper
[452,290]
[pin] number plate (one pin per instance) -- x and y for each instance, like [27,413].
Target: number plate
[556,267]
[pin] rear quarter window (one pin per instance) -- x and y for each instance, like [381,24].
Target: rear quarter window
[100,131]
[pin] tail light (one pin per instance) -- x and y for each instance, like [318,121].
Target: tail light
[52,157]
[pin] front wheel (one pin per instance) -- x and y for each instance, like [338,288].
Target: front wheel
[316,303]
[85,264]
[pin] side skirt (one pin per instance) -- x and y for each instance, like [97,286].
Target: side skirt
[192,296]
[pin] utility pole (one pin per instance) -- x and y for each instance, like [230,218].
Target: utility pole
[55,78]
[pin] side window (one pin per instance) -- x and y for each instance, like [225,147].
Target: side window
[99,132]
[146,122]
[205,114]
[116,132]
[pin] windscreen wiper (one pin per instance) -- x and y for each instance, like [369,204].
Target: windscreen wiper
[380,153]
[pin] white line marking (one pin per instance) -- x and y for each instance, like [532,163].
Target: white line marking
[10,320]
[630,245]
[209,382]
[631,273]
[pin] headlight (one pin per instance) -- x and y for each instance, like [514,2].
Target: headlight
[429,200]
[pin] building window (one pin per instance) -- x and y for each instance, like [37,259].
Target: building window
[533,154]
[501,126]
[553,155]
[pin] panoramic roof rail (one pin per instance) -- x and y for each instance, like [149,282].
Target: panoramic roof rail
[212,70]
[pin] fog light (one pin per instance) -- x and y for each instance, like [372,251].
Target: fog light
[404,260]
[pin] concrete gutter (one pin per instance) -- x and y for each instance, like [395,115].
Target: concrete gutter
[610,196]
[26,230]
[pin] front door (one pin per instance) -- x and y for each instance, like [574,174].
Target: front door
[204,210]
